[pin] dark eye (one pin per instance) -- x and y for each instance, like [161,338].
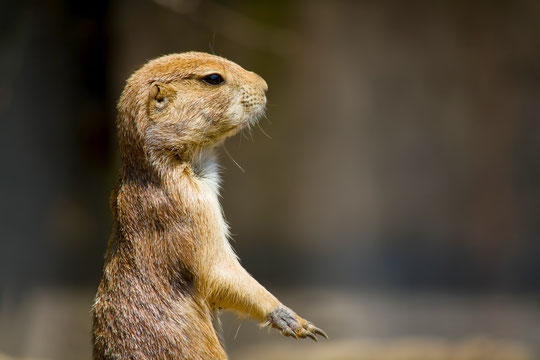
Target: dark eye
[213,79]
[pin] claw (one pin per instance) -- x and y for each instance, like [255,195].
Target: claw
[289,332]
[321,332]
[309,334]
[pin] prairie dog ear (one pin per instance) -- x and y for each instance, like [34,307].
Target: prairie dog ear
[160,95]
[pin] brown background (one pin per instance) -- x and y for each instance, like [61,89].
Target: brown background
[402,160]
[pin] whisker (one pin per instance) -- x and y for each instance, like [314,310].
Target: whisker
[267,119]
[211,45]
[264,132]
[250,132]
[238,329]
[234,161]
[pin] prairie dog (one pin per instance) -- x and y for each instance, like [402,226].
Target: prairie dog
[169,265]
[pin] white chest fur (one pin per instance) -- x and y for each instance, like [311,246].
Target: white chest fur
[208,181]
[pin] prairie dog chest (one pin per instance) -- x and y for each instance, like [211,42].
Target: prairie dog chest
[198,191]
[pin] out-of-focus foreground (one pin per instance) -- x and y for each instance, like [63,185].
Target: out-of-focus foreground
[395,201]
[54,323]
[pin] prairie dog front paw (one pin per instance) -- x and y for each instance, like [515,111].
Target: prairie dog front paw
[290,324]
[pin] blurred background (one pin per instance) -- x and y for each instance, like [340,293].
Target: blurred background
[392,197]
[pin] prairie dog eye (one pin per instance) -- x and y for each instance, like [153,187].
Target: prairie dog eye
[213,79]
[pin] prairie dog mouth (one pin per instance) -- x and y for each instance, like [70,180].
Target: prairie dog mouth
[254,103]
[256,113]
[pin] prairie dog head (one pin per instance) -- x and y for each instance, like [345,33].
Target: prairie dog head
[178,104]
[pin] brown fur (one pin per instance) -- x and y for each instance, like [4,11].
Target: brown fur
[168,265]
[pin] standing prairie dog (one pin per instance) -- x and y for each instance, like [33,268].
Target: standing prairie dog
[169,265]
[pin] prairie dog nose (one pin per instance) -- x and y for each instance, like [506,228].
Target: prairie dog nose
[259,81]
[264,84]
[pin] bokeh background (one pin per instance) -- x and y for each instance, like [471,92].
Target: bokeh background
[392,196]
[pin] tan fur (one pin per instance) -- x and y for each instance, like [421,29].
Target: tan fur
[169,264]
